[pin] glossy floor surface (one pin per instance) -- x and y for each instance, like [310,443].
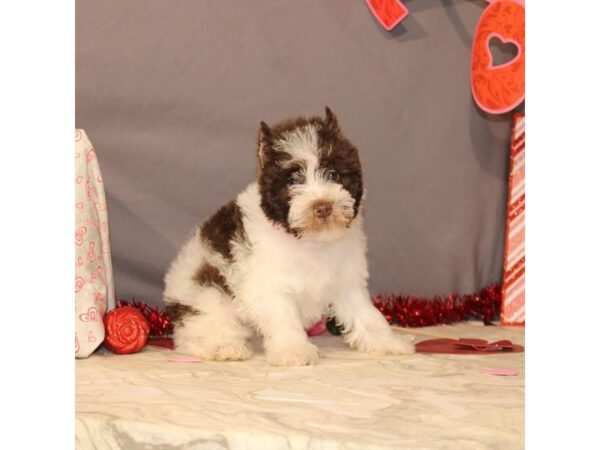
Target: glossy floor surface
[346,401]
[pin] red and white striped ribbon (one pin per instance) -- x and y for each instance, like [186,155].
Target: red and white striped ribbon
[513,287]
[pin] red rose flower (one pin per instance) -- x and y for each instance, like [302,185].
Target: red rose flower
[127,330]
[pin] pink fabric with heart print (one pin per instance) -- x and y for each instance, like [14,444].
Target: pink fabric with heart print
[94,287]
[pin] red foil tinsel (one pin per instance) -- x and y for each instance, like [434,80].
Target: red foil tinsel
[409,311]
[402,310]
[160,323]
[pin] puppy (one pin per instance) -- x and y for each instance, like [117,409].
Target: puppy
[288,250]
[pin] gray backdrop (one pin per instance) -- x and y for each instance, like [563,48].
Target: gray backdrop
[171,93]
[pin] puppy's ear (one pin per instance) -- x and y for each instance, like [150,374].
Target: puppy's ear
[265,141]
[331,122]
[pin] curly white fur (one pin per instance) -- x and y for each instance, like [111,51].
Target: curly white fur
[276,282]
[282,286]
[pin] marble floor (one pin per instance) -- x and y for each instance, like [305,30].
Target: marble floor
[346,401]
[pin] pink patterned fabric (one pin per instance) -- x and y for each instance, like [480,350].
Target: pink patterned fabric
[94,287]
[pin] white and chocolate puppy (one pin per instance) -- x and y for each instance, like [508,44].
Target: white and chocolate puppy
[288,250]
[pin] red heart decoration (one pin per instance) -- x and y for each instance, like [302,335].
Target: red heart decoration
[481,345]
[388,13]
[467,346]
[499,88]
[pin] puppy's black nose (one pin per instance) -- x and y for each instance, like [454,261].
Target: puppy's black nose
[322,209]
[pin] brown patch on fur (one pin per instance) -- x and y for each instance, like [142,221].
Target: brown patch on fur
[178,311]
[224,226]
[209,275]
[274,172]
[343,158]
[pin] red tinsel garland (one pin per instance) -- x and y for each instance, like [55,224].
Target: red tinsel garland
[160,323]
[402,310]
[409,311]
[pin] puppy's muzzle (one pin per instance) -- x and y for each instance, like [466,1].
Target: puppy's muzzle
[322,209]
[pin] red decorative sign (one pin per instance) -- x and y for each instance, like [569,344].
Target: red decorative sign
[389,13]
[499,89]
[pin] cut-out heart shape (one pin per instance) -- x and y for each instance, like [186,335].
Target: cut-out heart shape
[484,346]
[502,52]
[388,13]
[467,346]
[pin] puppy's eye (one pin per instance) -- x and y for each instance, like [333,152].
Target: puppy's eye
[332,175]
[296,178]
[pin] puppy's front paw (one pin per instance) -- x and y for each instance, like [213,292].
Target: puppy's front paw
[234,351]
[391,344]
[301,354]
[397,345]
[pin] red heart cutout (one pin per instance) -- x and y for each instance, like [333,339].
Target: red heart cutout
[467,346]
[471,342]
[388,13]
[484,346]
[505,50]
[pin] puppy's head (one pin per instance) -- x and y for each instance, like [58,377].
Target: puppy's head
[309,177]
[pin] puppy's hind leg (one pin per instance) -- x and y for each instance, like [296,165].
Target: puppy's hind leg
[211,330]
